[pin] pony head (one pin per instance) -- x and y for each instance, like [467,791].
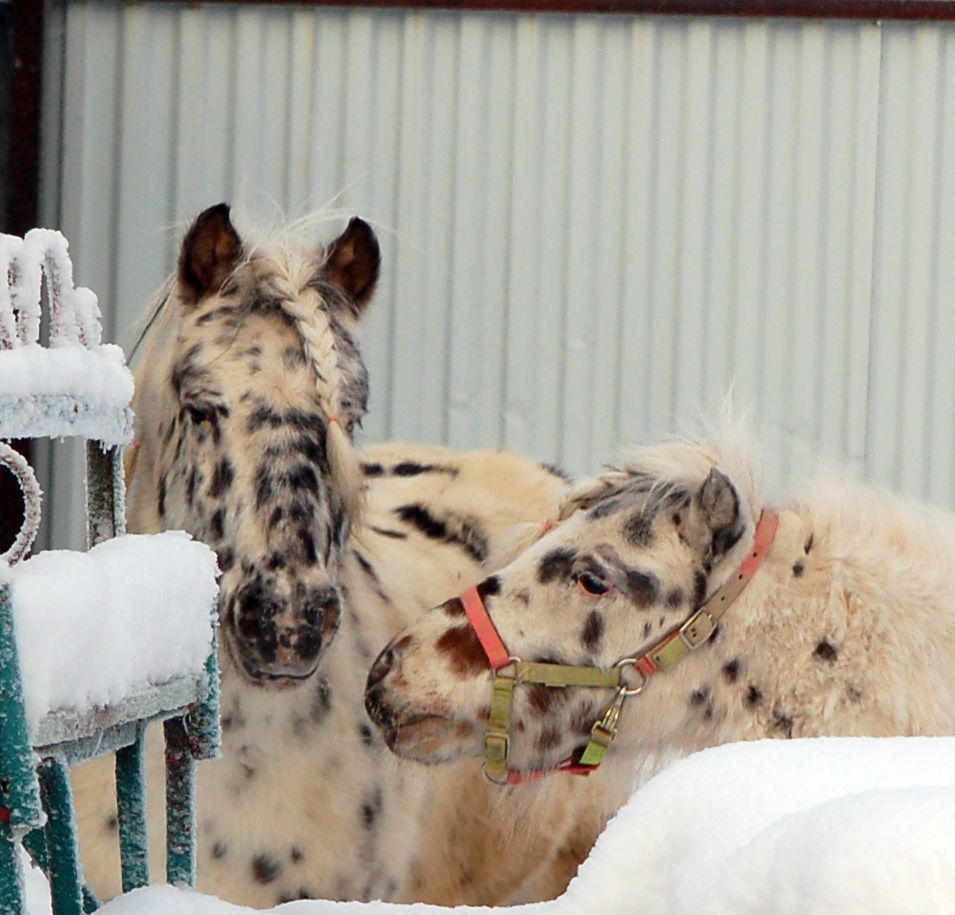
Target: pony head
[249,394]
[637,551]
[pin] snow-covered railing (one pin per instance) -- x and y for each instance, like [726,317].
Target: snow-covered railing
[74,385]
[96,645]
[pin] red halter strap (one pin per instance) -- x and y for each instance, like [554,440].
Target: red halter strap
[484,628]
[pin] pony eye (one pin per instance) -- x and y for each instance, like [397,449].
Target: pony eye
[591,584]
[198,415]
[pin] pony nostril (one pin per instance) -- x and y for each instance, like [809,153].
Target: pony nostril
[381,667]
[324,604]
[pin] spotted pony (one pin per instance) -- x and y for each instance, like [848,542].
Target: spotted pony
[837,620]
[247,398]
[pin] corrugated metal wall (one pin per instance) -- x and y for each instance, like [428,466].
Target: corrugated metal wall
[591,225]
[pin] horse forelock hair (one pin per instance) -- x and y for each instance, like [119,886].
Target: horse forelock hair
[669,470]
[292,268]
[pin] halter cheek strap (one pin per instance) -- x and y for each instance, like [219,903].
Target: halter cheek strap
[661,656]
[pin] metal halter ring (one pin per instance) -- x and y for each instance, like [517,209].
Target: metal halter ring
[512,661]
[631,690]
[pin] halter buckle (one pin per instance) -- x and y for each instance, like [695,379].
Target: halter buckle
[495,757]
[605,730]
[697,629]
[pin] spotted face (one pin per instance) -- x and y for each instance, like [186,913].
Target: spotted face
[251,388]
[618,574]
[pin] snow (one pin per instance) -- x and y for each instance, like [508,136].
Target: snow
[36,886]
[95,627]
[802,826]
[66,390]
[77,385]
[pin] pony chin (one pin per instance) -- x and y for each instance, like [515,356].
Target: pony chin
[429,739]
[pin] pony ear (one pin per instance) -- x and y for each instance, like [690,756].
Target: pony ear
[717,505]
[210,251]
[353,261]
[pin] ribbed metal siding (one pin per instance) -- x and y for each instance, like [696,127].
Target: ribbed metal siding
[591,226]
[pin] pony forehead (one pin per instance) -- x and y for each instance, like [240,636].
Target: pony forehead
[663,474]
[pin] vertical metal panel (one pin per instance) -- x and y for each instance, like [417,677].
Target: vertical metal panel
[592,226]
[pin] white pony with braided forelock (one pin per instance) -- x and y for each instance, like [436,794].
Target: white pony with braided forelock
[247,399]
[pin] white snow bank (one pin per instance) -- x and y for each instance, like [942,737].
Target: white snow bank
[66,390]
[95,627]
[803,826]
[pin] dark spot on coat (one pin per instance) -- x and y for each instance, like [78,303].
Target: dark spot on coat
[543,698]
[265,868]
[699,588]
[307,542]
[643,588]
[226,560]
[372,470]
[593,630]
[647,628]
[321,702]
[263,485]
[548,739]
[582,721]
[639,529]
[675,598]
[556,564]
[365,732]
[808,544]
[489,587]
[293,357]
[112,823]
[783,722]
[296,854]
[366,566]
[826,651]
[394,535]
[457,529]
[454,607]
[798,569]
[371,808]
[699,696]
[303,479]
[219,849]
[413,468]
[524,596]
[463,651]
[754,695]
[853,692]
[217,524]
[222,478]
[731,670]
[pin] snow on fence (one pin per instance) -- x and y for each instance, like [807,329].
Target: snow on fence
[76,385]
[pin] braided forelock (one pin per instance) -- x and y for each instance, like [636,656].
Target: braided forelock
[300,298]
